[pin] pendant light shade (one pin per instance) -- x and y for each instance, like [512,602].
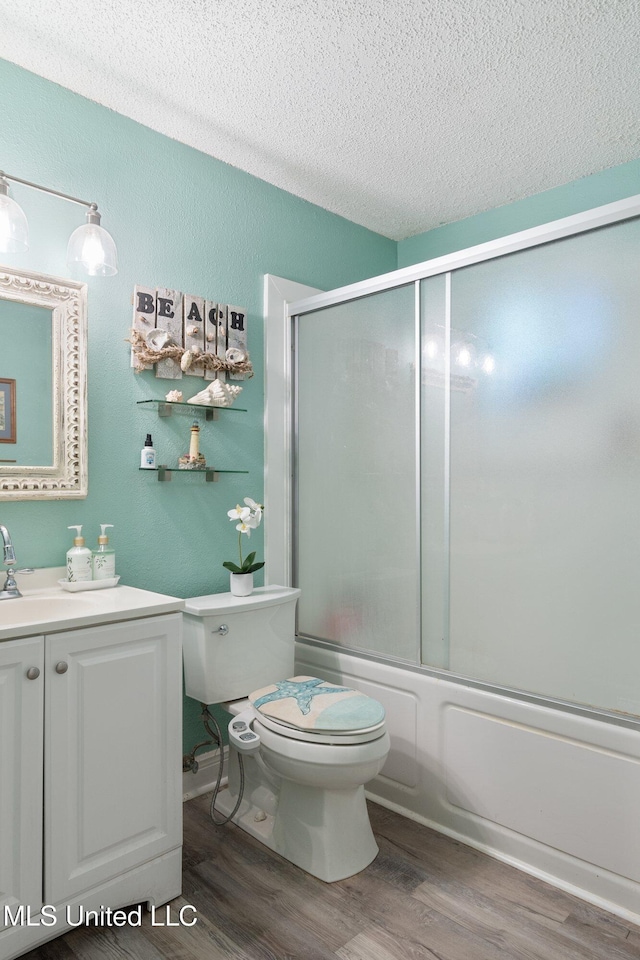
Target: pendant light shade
[91,247]
[14,229]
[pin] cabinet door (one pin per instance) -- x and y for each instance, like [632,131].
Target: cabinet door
[21,710]
[113,762]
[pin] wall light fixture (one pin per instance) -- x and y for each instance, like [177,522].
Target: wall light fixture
[91,247]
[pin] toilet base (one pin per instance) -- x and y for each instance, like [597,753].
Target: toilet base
[325,832]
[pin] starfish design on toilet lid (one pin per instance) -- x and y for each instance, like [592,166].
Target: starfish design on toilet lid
[303,690]
[308,703]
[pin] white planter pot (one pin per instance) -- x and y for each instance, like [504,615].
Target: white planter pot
[241,584]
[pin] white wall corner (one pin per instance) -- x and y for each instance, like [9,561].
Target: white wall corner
[278,293]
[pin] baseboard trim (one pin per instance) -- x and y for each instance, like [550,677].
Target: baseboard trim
[195,784]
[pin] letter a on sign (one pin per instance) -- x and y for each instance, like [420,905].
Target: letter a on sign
[193,310]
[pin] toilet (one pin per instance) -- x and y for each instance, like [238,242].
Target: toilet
[308,745]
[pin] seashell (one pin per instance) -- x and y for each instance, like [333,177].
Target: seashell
[234,355]
[192,331]
[174,396]
[186,361]
[157,339]
[210,337]
[217,394]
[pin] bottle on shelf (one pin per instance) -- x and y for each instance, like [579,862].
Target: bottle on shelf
[148,455]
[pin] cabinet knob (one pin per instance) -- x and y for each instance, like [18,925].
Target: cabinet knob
[62,667]
[33,673]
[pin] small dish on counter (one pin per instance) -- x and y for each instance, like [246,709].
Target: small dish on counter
[74,586]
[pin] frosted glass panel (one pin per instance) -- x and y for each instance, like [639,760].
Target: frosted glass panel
[356,553]
[545,471]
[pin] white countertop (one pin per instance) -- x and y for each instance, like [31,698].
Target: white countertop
[45,607]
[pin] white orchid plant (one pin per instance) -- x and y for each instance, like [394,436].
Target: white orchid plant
[247,518]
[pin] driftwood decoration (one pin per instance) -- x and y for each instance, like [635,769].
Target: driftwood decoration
[182,334]
[211,336]
[146,355]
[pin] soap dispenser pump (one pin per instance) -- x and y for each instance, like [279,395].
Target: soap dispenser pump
[104,558]
[78,558]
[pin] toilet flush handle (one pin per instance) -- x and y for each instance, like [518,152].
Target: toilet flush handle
[223,630]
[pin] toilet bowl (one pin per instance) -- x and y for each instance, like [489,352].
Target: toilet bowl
[305,798]
[311,745]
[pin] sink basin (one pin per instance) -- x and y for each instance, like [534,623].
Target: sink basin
[39,609]
[46,608]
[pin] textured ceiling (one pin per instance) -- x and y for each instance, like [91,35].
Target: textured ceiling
[397,114]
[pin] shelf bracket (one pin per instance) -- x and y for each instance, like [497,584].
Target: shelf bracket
[210,475]
[166,410]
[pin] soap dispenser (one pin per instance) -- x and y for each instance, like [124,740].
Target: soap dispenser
[78,558]
[104,558]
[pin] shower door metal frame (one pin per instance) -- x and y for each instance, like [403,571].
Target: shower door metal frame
[535,236]
[589,220]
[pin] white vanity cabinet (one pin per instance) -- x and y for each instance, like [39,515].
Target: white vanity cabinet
[21,774]
[94,741]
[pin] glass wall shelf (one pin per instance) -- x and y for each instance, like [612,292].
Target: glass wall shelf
[166,408]
[211,475]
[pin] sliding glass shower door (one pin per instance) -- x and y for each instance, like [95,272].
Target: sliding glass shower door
[544,474]
[468,470]
[357,558]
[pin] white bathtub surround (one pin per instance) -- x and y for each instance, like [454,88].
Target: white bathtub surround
[553,793]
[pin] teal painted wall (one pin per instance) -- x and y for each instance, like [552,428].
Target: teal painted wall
[181,220]
[605,187]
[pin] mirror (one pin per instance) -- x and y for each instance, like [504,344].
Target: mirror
[43,387]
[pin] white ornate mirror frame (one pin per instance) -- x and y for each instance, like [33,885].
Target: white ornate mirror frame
[66,477]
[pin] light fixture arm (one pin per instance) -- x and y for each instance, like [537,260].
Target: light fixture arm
[91,247]
[55,193]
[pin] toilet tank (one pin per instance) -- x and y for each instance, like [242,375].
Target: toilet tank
[255,649]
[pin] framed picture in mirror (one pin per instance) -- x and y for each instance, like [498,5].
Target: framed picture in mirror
[7,411]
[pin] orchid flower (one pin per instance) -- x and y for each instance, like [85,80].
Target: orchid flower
[239,513]
[247,518]
[256,511]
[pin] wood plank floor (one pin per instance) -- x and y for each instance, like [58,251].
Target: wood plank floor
[425,897]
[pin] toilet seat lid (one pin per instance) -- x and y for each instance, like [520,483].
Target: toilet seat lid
[341,738]
[318,706]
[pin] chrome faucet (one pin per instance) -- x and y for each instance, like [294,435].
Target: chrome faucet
[10,590]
